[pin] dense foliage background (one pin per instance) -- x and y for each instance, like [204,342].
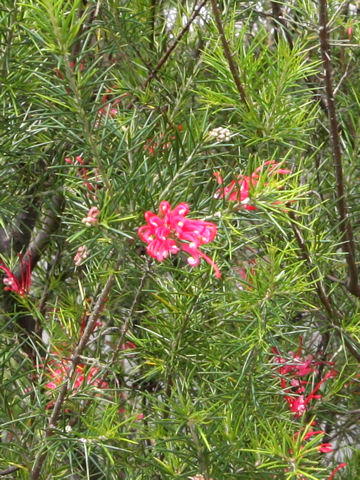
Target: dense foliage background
[117,366]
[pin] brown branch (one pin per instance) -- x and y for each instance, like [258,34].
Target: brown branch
[325,300]
[74,362]
[348,244]
[9,470]
[332,315]
[124,330]
[49,224]
[18,236]
[163,59]
[172,47]
[35,249]
[227,53]
[280,21]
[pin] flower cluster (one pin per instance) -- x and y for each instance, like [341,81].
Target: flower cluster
[91,218]
[21,285]
[293,374]
[58,371]
[170,232]
[220,134]
[293,382]
[239,189]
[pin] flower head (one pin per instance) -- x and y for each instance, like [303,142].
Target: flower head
[293,383]
[13,283]
[170,231]
[220,134]
[239,189]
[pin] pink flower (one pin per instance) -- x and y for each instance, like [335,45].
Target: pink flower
[238,190]
[91,218]
[81,255]
[13,283]
[170,232]
[58,371]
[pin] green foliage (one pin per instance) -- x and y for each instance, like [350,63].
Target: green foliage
[178,376]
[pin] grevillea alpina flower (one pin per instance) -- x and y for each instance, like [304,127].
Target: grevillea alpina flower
[91,218]
[81,255]
[292,373]
[239,189]
[21,285]
[170,232]
[58,370]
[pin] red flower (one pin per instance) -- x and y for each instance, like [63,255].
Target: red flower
[342,465]
[13,283]
[238,190]
[292,383]
[323,447]
[58,371]
[170,232]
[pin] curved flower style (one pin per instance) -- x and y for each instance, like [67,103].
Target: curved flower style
[170,232]
[13,283]
[238,190]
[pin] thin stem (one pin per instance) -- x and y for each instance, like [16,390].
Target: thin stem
[124,330]
[348,244]
[125,327]
[9,470]
[227,53]
[163,59]
[74,362]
